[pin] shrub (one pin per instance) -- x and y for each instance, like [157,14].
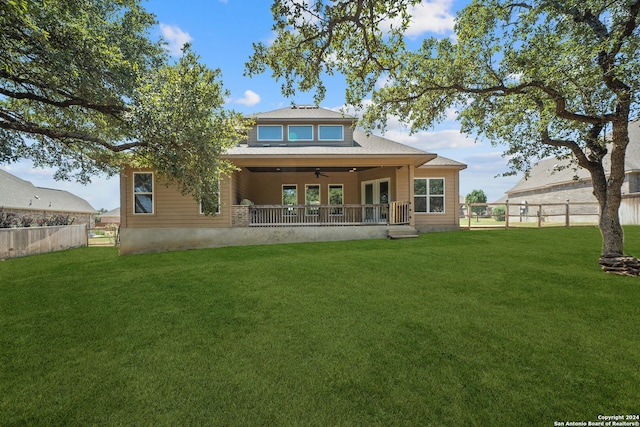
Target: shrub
[55,220]
[499,213]
[13,220]
[8,219]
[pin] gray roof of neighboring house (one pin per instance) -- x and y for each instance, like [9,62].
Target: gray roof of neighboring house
[545,174]
[112,213]
[364,144]
[16,193]
[306,112]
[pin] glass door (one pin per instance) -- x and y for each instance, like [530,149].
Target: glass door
[376,193]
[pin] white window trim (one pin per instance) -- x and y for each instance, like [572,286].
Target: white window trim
[299,139]
[152,193]
[443,195]
[331,139]
[290,210]
[268,139]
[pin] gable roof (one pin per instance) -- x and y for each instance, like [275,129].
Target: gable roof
[16,193]
[445,162]
[545,173]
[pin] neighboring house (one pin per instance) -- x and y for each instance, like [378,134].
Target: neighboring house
[304,174]
[23,198]
[546,184]
[110,217]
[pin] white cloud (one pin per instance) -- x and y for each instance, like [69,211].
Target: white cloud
[398,131]
[250,98]
[432,141]
[431,16]
[494,161]
[434,16]
[175,37]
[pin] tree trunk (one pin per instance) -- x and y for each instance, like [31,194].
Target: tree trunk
[611,230]
[608,192]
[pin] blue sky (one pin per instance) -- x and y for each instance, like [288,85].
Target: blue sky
[222,33]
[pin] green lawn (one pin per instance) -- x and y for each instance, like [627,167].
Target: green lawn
[473,328]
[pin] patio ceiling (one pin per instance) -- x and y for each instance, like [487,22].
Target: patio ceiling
[309,169]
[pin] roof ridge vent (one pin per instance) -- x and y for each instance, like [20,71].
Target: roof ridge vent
[304,107]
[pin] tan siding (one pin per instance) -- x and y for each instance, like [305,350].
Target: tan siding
[403,184]
[172,209]
[450,215]
[124,206]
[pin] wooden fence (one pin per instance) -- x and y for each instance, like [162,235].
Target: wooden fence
[103,236]
[19,242]
[505,215]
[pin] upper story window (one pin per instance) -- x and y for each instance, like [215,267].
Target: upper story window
[269,133]
[143,192]
[300,133]
[330,132]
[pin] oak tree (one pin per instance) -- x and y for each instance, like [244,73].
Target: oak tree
[546,78]
[84,89]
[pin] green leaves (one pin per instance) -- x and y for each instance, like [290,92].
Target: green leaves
[179,118]
[84,89]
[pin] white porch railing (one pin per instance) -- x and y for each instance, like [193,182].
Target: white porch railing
[393,213]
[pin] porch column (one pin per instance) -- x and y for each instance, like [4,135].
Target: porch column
[240,216]
[410,175]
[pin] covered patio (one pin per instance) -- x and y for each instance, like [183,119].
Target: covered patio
[322,192]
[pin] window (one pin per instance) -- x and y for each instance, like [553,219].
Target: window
[428,195]
[330,133]
[290,197]
[336,197]
[269,133]
[142,193]
[217,206]
[312,197]
[301,133]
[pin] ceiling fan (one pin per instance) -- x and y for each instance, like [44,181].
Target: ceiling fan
[319,174]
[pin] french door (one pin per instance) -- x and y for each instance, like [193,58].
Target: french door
[375,193]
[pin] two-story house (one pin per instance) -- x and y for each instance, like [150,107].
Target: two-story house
[305,174]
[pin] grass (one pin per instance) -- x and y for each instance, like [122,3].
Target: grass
[475,328]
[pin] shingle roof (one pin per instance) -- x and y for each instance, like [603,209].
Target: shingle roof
[16,193]
[545,174]
[440,161]
[302,112]
[112,212]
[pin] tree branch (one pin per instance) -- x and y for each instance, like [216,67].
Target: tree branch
[9,122]
[589,162]
[70,101]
